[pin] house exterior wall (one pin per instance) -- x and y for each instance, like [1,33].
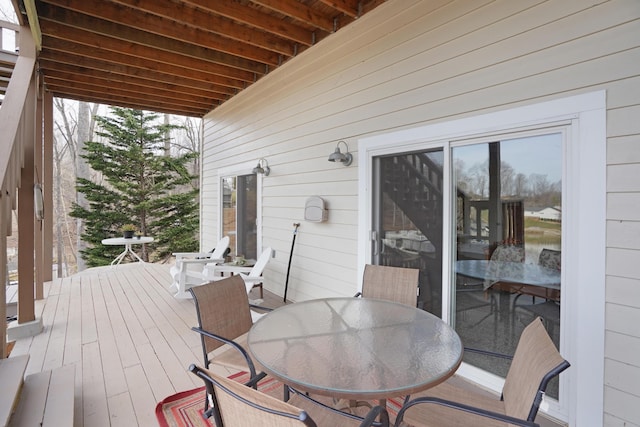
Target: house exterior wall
[410,63]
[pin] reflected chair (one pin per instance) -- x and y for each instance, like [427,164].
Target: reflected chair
[536,361]
[235,405]
[390,283]
[501,258]
[550,258]
[549,309]
[253,278]
[188,269]
[224,319]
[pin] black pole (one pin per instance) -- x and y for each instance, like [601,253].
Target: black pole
[293,242]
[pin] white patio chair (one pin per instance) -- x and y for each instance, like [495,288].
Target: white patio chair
[252,276]
[189,268]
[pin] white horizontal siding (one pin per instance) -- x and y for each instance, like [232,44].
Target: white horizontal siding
[413,62]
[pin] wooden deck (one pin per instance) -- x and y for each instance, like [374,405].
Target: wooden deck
[129,339]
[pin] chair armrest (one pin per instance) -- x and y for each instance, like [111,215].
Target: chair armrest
[231,269]
[232,343]
[462,407]
[190,261]
[259,307]
[252,279]
[488,353]
[192,254]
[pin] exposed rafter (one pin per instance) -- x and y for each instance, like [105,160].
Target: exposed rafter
[177,56]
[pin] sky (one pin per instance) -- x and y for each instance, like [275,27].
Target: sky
[530,155]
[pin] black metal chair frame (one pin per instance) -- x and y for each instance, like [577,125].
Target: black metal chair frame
[529,422]
[369,420]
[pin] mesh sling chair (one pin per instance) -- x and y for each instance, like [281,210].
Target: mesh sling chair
[224,318]
[549,307]
[236,405]
[390,283]
[535,362]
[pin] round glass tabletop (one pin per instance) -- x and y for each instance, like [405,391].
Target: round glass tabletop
[355,348]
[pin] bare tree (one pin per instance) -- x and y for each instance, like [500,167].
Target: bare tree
[191,143]
[73,128]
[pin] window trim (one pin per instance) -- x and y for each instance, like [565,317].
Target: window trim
[584,192]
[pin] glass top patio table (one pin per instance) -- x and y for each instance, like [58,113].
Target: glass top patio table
[355,348]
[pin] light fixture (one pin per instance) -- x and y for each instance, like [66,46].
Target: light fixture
[262,168]
[337,156]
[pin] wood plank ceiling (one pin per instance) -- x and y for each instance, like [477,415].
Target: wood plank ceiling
[182,57]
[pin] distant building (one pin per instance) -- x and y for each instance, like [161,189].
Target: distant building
[546,214]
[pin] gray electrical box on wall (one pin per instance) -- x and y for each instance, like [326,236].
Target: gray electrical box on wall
[314,210]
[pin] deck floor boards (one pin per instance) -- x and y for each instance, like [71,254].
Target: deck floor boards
[128,337]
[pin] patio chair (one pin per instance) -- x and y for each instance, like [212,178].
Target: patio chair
[500,255]
[224,319]
[549,309]
[390,283]
[535,363]
[188,269]
[235,405]
[253,278]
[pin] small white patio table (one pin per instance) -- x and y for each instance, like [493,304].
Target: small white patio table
[355,348]
[127,247]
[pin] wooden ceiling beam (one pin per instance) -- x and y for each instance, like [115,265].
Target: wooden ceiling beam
[192,79]
[299,12]
[107,35]
[169,27]
[163,109]
[256,19]
[128,92]
[189,99]
[210,74]
[210,24]
[111,99]
[105,78]
[348,7]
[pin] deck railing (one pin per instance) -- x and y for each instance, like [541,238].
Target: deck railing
[17,121]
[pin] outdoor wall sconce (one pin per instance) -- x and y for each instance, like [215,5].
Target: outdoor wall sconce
[337,156]
[262,168]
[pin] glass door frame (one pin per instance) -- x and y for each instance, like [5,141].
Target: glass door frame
[583,216]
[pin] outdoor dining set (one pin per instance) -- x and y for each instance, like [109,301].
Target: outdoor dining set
[343,361]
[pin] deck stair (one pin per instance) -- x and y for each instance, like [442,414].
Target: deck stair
[40,399]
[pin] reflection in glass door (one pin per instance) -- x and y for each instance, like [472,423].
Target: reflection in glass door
[407,219]
[240,214]
[507,258]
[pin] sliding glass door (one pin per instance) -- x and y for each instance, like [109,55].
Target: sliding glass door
[507,252]
[407,218]
[504,221]
[240,214]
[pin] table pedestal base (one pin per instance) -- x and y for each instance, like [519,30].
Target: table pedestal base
[127,250]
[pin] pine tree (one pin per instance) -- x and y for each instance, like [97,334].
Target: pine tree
[136,183]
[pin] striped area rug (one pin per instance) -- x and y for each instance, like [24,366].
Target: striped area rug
[185,409]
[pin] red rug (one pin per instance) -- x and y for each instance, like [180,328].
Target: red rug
[185,409]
